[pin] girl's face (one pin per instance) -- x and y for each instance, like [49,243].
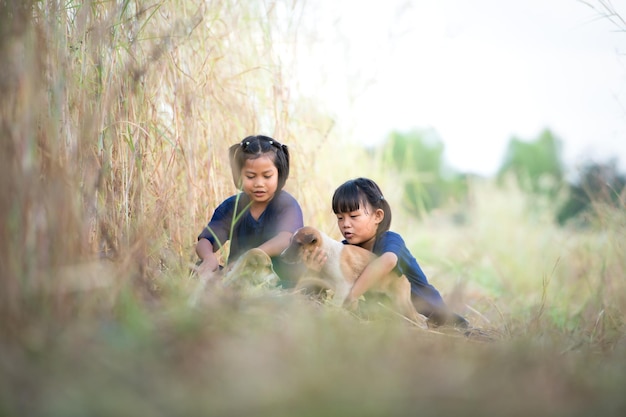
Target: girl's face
[359,227]
[260,179]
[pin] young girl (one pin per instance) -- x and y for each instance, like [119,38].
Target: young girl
[262,216]
[364,218]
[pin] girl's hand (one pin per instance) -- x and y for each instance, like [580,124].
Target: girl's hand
[315,260]
[208,266]
[351,304]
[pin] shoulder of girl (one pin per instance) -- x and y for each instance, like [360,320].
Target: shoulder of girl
[232,199]
[393,235]
[285,196]
[230,202]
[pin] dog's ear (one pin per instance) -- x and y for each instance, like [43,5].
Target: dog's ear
[309,238]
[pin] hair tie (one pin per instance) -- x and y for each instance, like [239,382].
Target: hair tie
[271,142]
[382,198]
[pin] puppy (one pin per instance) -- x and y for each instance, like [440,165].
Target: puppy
[254,267]
[344,265]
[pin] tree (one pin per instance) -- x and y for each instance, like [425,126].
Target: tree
[417,156]
[536,165]
[599,183]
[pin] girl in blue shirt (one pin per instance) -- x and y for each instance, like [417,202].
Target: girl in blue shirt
[364,218]
[262,215]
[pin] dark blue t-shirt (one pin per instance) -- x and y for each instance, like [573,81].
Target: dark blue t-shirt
[282,214]
[425,297]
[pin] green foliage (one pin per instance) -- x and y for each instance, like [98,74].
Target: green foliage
[417,158]
[598,184]
[535,165]
[419,151]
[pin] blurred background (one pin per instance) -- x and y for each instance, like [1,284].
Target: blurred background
[478,74]
[493,128]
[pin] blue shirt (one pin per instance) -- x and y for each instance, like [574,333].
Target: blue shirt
[425,297]
[282,214]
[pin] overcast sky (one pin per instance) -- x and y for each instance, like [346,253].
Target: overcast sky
[476,71]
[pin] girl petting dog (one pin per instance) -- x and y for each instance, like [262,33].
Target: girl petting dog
[364,218]
[262,216]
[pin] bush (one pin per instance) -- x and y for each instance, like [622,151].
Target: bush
[599,184]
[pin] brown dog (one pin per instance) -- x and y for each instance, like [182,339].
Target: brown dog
[344,265]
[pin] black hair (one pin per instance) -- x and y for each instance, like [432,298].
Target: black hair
[353,194]
[253,147]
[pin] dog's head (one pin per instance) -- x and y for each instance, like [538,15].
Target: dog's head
[253,267]
[303,240]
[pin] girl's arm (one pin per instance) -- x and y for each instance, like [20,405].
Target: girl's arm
[277,244]
[204,250]
[288,219]
[218,231]
[376,269]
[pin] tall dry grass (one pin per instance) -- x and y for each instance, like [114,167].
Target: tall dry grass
[115,119]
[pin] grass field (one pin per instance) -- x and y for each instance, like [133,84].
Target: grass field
[115,120]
